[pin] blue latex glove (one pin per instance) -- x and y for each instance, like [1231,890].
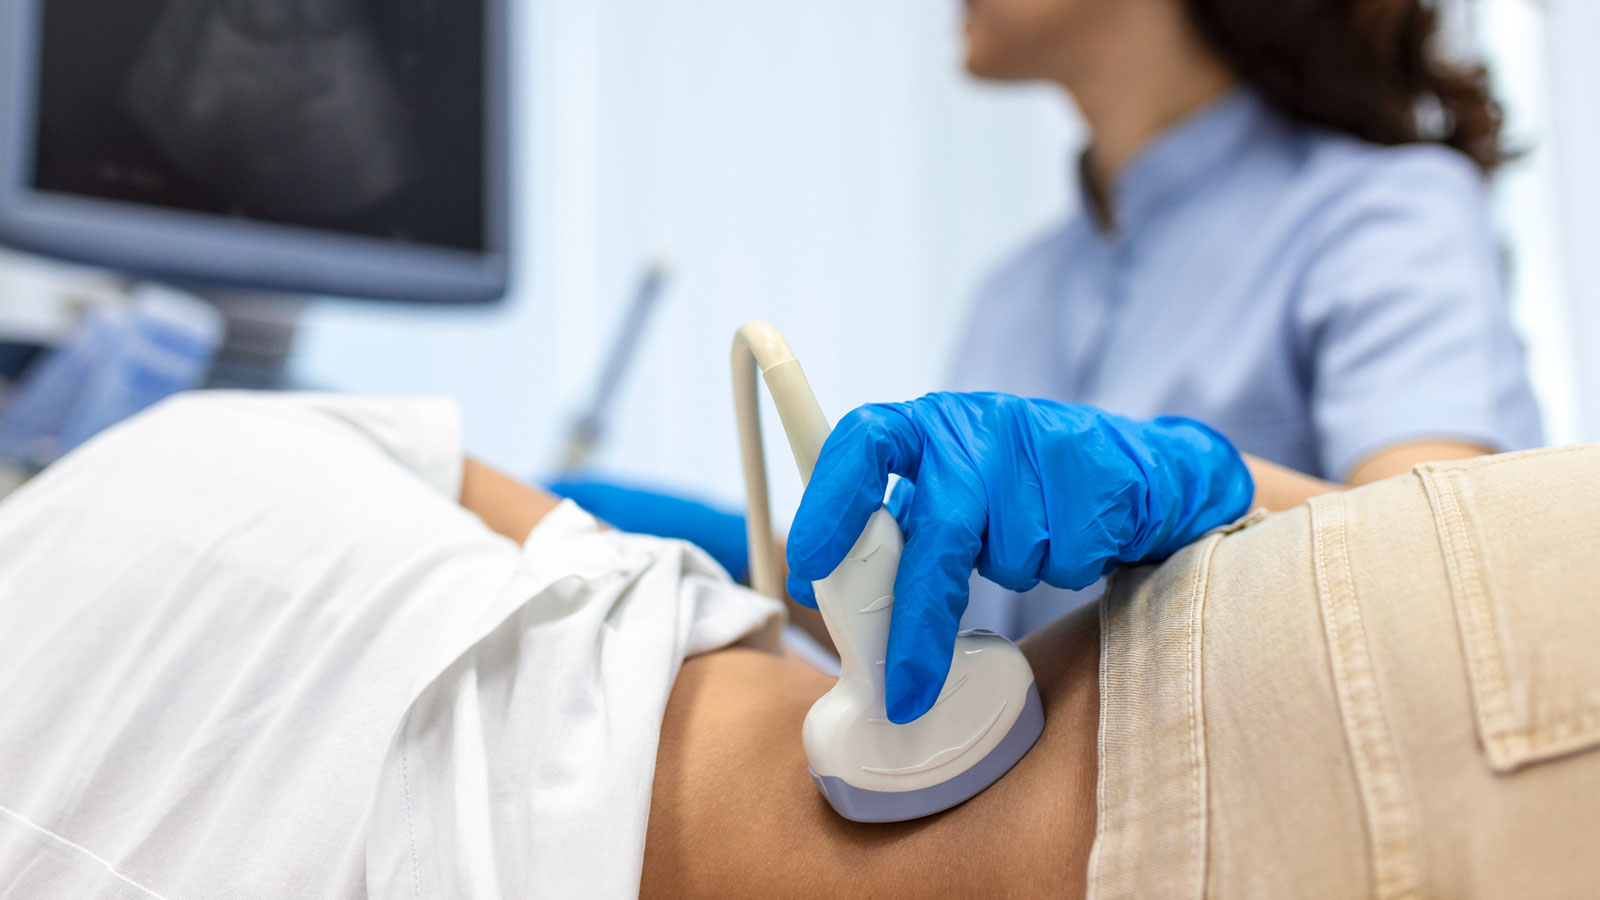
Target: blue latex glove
[1022,490]
[640,511]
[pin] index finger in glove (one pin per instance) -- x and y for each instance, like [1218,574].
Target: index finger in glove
[852,473]
[930,594]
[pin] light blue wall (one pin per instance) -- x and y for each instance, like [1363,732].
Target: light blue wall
[1570,105]
[1544,71]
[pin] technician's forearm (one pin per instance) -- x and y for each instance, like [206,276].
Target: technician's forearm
[1279,488]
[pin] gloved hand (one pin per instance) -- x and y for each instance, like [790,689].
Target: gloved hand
[1024,490]
[640,511]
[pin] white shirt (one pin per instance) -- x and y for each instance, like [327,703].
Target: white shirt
[252,647]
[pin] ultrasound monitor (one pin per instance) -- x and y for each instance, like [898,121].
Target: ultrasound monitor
[345,147]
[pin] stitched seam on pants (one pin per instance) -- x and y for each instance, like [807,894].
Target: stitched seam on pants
[1491,692]
[1102,839]
[1108,858]
[1391,828]
[1121,861]
[1481,463]
[1197,722]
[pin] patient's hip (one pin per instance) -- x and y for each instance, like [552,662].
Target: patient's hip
[1383,693]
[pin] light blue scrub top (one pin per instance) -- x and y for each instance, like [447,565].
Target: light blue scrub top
[1314,297]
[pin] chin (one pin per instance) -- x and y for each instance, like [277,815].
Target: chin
[977,69]
[990,67]
[990,60]
[979,63]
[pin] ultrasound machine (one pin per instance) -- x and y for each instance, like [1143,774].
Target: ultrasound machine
[256,154]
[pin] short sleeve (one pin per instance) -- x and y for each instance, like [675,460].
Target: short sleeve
[1403,316]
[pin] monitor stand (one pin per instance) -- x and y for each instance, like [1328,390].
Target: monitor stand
[261,332]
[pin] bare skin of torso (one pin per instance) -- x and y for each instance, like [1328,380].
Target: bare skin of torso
[734,813]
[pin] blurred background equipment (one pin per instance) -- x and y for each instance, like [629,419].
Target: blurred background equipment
[122,358]
[589,428]
[253,154]
[347,147]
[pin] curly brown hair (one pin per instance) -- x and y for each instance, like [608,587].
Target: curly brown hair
[1371,68]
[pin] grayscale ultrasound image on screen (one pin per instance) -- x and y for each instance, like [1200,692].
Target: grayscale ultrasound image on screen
[356,116]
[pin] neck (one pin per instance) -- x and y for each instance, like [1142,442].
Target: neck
[1146,70]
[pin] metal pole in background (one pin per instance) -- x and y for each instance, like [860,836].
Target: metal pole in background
[589,429]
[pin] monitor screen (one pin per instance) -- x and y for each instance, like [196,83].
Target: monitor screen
[348,147]
[357,116]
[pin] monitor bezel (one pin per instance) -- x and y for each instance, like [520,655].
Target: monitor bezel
[199,248]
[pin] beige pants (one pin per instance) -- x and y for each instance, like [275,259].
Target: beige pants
[1391,692]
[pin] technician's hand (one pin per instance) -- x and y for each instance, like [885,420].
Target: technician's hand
[1022,490]
[640,511]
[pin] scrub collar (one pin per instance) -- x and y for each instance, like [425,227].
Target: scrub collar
[1175,162]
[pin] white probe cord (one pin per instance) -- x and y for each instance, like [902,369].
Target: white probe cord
[758,344]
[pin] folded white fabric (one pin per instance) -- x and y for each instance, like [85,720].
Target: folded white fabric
[251,647]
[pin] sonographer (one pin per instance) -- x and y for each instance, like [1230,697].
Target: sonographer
[1282,231]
